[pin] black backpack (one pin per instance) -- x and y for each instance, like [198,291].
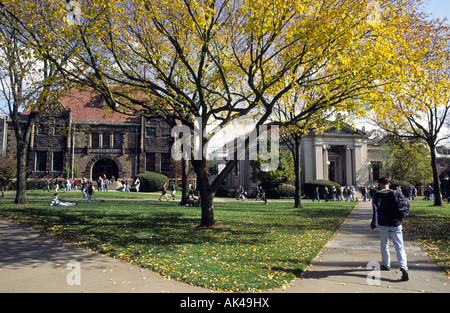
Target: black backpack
[402,206]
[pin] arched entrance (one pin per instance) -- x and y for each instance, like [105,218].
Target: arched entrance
[105,167]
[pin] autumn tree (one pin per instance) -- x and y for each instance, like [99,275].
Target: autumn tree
[28,83]
[419,102]
[407,160]
[212,62]
[315,121]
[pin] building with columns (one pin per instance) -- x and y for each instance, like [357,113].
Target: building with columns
[343,155]
[339,155]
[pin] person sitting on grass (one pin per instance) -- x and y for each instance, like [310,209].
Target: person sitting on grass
[57,202]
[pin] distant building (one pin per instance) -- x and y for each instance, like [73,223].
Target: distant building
[443,167]
[343,155]
[82,133]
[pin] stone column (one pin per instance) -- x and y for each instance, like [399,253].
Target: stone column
[349,165]
[325,161]
[319,161]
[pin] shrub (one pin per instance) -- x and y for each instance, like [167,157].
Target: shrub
[222,192]
[310,186]
[403,184]
[151,182]
[281,191]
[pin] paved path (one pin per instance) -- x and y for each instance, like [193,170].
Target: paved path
[32,262]
[342,266]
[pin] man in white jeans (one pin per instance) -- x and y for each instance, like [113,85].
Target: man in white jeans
[385,217]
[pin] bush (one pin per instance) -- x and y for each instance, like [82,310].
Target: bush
[281,191]
[310,186]
[151,182]
[222,192]
[403,184]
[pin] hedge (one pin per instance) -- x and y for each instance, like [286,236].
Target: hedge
[310,186]
[403,184]
[281,191]
[151,182]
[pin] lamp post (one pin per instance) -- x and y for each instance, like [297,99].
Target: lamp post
[446,189]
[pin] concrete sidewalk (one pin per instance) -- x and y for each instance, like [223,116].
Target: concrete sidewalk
[343,265]
[33,262]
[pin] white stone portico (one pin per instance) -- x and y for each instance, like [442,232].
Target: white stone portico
[343,155]
[338,155]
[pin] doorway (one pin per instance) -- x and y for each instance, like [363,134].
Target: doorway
[105,167]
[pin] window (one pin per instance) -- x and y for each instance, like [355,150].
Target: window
[150,162]
[95,140]
[41,161]
[165,162]
[166,131]
[59,126]
[376,169]
[117,140]
[58,161]
[150,129]
[42,127]
[105,139]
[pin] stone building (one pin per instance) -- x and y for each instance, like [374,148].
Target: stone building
[80,136]
[344,155]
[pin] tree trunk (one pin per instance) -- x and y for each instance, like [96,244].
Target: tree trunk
[206,199]
[437,183]
[21,183]
[298,183]
[184,181]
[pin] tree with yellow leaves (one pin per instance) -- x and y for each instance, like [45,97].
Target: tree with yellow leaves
[28,82]
[214,61]
[419,100]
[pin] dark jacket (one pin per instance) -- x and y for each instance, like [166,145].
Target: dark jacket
[385,211]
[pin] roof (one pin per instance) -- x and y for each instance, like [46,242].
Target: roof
[89,107]
[443,150]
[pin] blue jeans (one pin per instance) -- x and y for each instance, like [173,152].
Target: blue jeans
[395,232]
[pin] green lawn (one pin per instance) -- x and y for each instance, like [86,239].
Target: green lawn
[429,226]
[254,247]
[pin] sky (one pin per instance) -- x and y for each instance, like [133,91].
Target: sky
[438,8]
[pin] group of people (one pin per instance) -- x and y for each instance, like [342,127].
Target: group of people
[126,185]
[260,193]
[346,193]
[68,184]
[173,188]
[103,182]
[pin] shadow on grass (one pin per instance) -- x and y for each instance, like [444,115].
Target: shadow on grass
[122,224]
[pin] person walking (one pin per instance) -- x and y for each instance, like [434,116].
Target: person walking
[241,193]
[137,184]
[174,190]
[387,220]
[164,192]
[364,193]
[316,195]
[90,191]
[263,194]
[47,185]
